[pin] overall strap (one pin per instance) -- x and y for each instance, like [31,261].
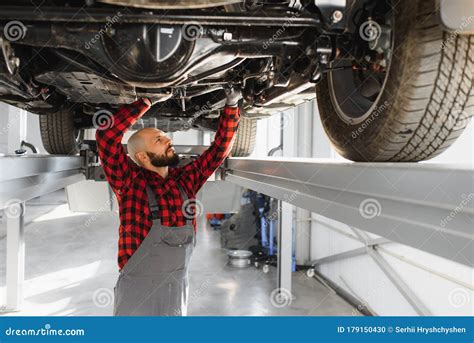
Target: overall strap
[183,193]
[152,202]
[187,204]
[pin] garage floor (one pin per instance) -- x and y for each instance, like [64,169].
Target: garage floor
[71,270]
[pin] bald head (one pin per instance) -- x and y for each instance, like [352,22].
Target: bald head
[135,144]
[142,141]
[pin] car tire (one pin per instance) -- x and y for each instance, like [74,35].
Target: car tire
[427,100]
[245,136]
[58,134]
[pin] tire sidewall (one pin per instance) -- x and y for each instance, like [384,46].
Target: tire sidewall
[365,141]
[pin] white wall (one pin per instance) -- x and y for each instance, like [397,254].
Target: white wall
[17,125]
[462,151]
[268,136]
[443,286]
[3,127]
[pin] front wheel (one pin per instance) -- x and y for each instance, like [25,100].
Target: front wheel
[411,96]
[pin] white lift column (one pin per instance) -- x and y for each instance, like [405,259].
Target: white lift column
[15,262]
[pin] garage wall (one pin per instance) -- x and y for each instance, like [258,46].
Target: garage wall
[3,128]
[16,125]
[442,286]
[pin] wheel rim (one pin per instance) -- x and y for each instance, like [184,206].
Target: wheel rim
[358,83]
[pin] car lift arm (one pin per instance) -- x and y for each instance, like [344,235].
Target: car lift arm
[426,206]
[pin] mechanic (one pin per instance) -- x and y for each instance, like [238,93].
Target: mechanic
[157,232]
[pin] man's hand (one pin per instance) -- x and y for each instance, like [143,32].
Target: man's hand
[233,96]
[149,101]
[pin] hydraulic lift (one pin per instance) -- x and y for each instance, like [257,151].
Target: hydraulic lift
[423,205]
[408,203]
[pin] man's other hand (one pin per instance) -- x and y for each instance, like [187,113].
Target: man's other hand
[149,101]
[233,96]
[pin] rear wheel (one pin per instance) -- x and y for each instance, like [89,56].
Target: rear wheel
[412,106]
[245,137]
[58,134]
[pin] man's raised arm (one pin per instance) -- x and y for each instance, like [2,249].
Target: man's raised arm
[113,158]
[198,171]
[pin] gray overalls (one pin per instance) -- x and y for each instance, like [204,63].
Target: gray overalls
[154,281]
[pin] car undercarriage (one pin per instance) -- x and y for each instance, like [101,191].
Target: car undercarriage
[182,60]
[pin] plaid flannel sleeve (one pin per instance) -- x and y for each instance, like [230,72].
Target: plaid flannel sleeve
[115,162]
[197,172]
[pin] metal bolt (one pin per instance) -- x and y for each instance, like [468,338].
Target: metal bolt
[15,61]
[336,16]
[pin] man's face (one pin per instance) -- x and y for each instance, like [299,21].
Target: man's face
[159,148]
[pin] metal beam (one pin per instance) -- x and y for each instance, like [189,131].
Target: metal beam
[103,15]
[400,284]
[392,275]
[339,256]
[25,177]
[427,206]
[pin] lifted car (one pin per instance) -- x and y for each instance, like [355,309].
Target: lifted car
[393,79]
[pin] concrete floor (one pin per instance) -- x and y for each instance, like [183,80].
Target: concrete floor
[71,271]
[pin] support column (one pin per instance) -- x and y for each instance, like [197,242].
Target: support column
[15,262]
[285,248]
[304,128]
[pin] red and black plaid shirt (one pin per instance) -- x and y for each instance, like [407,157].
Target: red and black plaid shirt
[129,181]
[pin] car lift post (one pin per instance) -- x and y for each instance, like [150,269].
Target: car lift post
[15,257]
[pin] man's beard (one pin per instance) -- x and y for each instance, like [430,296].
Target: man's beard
[163,160]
